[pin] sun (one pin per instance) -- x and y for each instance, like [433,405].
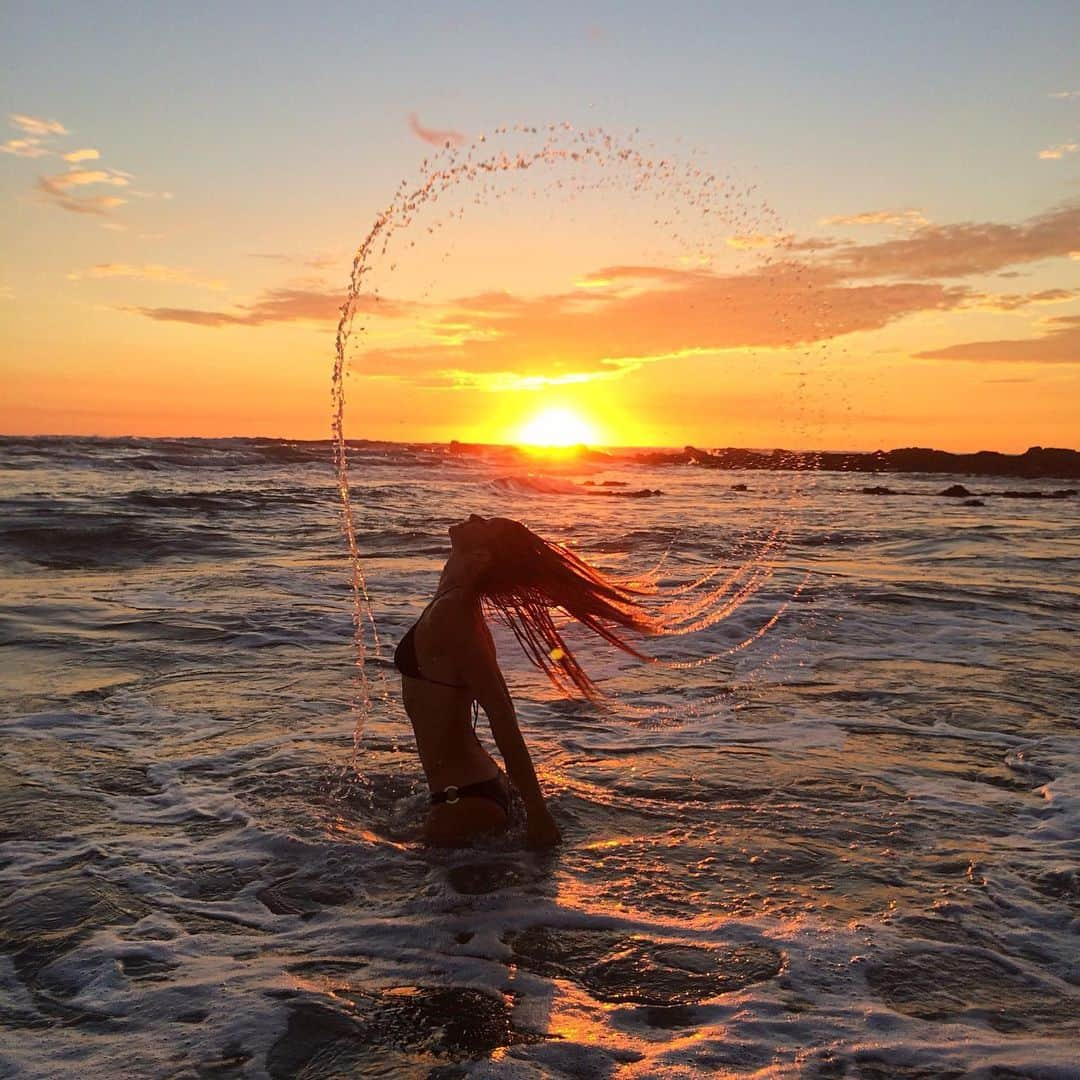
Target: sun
[557,427]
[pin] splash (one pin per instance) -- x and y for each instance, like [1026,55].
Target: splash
[699,213]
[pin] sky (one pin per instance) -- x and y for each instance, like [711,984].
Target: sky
[890,254]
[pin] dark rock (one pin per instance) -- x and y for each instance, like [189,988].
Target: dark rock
[141,966]
[479,878]
[215,881]
[341,970]
[618,968]
[951,985]
[1060,493]
[1034,463]
[395,1033]
[739,487]
[30,811]
[195,1016]
[230,1062]
[1060,884]
[957,491]
[296,896]
[41,922]
[973,502]
[872,1066]
[671,1016]
[878,491]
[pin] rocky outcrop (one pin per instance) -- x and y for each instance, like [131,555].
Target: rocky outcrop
[1035,463]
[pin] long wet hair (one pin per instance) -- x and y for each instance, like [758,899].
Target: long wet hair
[527,577]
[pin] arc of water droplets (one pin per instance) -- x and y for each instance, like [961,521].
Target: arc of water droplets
[699,190]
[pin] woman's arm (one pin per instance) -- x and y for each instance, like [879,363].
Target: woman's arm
[470,643]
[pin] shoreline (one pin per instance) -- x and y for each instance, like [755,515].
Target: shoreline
[1035,463]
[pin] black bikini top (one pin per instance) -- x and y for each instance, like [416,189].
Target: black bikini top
[405,659]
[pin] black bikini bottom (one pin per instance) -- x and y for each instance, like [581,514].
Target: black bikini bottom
[493,789]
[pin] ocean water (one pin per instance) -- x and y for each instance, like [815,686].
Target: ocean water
[845,850]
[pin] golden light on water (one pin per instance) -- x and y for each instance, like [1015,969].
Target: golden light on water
[558,426]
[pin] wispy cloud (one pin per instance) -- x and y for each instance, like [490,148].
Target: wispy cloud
[949,251]
[313,262]
[1017,301]
[28,148]
[1056,153]
[58,188]
[277,306]
[35,125]
[617,319]
[1060,345]
[147,272]
[1064,94]
[501,382]
[752,241]
[643,315]
[61,189]
[88,204]
[434,136]
[910,218]
[62,182]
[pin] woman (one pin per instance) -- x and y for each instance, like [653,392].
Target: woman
[447,661]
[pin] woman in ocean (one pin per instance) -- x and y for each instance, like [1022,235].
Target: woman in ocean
[447,662]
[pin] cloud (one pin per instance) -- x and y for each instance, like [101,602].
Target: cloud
[947,251]
[87,153]
[618,318]
[1055,153]
[1013,301]
[88,204]
[1060,345]
[433,136]
[34,125]
[911,218]
[28,148]
[147,272]
[645,314]
[315,262]
[498,382]
[58,189]
[751,241]
[62,182]
[1064,94]
[278,306]
[814,243]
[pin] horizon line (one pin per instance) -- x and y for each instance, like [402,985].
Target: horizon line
[538,450]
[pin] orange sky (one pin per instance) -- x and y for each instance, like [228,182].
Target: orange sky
[900,274]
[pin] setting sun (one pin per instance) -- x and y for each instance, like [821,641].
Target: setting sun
[557,427]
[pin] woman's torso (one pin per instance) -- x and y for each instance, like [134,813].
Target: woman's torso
[441,718]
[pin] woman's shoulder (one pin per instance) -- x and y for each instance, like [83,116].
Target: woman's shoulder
[454,606]
[457,612]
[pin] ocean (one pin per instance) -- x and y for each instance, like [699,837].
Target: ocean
[844,846]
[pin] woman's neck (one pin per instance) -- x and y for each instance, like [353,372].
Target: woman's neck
[453,577]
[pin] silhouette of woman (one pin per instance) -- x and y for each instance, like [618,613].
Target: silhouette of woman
[447,662]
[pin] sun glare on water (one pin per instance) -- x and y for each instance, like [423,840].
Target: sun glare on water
[557,427]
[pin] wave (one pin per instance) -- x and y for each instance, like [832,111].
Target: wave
[546,485]
[156,455]
[98,540]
